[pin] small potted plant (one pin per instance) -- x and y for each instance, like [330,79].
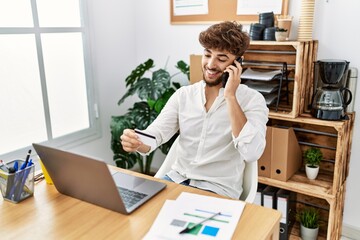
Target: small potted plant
[313,157]
[280,34]
[309,219]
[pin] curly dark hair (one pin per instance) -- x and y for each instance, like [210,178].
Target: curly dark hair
[225,36]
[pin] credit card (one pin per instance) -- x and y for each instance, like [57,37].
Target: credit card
[146,138]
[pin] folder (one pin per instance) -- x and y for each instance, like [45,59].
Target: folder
[286,155]
[264,162]
[258,197]
[283,205]
[269,197]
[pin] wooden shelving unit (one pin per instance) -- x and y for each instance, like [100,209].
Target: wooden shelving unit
[333,137]
[328,190]
[299,57]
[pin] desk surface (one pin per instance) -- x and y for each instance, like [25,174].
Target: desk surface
[51,215]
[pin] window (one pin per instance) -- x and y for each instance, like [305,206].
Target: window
[46,91]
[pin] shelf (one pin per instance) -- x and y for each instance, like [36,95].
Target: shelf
[299,57]
[334,138]
[299,183]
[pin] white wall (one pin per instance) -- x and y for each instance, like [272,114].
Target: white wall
[338,37]
[126,33]
[112,41]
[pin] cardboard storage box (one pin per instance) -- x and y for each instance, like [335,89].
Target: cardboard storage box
[282,156]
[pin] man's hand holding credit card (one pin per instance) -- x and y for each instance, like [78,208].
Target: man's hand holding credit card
[146,139]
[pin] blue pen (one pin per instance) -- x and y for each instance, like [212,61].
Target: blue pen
[16,166]
[23,166]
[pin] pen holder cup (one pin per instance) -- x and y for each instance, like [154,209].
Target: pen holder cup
[17,186]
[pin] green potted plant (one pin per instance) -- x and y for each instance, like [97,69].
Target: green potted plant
[313,157]
[280,34]
[153,93]
[309,219]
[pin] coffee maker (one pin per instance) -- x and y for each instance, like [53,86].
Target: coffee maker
[331,96]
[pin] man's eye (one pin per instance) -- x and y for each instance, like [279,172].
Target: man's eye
[222,60]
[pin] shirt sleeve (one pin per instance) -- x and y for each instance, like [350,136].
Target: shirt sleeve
[166,124]
[252,138]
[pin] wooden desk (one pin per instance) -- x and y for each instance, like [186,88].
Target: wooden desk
[51,215]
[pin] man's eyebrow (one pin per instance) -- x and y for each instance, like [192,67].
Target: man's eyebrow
[218,55]
[223,55]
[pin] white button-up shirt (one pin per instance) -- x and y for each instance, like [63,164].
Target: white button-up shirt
[207,153]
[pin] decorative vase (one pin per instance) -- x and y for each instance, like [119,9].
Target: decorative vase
[308,233]
[311,172]
[280,36]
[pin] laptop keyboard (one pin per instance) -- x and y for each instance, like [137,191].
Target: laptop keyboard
[130,197]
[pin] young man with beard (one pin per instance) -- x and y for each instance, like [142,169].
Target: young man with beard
[220,127]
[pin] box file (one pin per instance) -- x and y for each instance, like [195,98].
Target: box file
[282,156]
[283,205]
[264,162]
[269,197]
[258,197]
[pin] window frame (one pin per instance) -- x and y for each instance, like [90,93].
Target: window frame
[79,137]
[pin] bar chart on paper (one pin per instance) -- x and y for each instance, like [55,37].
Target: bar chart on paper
[210,227]
[175,216]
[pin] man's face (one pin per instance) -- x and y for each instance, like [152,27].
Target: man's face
[213,65]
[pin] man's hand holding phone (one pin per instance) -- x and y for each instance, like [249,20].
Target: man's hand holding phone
[235,72]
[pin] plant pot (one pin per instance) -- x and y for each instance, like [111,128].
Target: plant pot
[308,233]
[284,21]
[311,172]
[280,36]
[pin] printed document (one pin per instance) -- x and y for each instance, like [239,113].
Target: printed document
[190,209]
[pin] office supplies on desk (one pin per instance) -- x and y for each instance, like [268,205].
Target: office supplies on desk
[90,180]
[19,185]
[27,158]
[5,167]
[189,209]
[45,173]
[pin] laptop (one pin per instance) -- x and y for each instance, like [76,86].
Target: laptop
[90,180]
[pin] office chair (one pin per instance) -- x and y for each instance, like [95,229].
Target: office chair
[250,180]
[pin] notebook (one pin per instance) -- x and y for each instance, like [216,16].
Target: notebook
[90,180]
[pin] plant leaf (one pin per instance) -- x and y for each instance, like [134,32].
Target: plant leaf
[147,88]
[142,115]
[138,72]
[126,160]
[117,126]
[184,68]
[160,103]
[130,92]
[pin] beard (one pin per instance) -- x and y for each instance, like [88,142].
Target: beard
[212,83]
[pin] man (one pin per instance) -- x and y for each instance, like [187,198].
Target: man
[220,127]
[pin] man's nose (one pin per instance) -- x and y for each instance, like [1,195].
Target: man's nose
[211,63]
